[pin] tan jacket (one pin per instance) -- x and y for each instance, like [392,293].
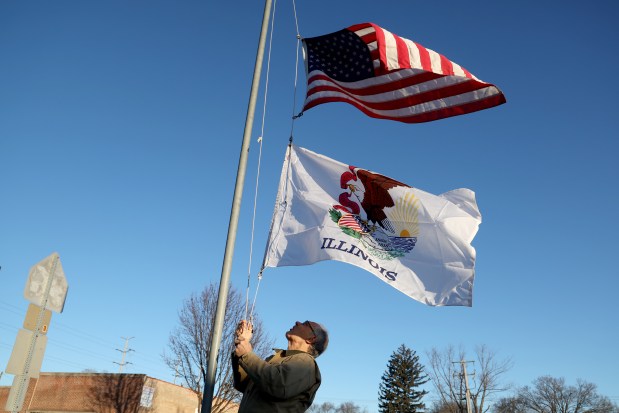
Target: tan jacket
[285,383]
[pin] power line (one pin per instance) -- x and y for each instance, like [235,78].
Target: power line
[11,308]
[77,349]
[148,363]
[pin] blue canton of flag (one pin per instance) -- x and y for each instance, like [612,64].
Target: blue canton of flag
[342,56]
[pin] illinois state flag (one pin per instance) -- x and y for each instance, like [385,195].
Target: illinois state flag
[388,77]
[414,241]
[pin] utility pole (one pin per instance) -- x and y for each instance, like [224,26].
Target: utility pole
[124,352]
[176,370]
[466,384]
[464,377]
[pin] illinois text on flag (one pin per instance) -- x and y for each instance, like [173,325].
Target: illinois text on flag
[389,77]
[414,241]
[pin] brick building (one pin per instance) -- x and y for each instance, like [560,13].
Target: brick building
[105,393]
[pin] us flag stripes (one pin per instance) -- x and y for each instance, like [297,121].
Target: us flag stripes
[389,77]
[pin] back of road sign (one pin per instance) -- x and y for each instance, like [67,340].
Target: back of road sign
[32,318]
[38,284]
[19,355]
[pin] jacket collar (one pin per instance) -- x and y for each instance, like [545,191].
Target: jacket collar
[285,353]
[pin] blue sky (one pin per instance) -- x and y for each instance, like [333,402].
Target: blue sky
[120,131]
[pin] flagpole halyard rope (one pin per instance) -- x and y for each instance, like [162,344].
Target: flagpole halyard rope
[296,20]
[280,203]
[260,139]
[296,73]
[294,117]
[251,313]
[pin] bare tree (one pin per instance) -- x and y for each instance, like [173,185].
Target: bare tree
[552,395]
[449,381]
[328,407]
[509,405]
[117,393]
[441,407]
[189,344]
[349,407]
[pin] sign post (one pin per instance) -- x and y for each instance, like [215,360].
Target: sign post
[46,289]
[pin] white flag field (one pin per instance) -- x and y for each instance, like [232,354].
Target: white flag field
[415,241]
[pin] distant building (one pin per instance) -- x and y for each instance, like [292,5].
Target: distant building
[106,393]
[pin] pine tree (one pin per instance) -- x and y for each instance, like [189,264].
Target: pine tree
[398,391]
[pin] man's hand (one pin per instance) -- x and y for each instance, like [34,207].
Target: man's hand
[243,337]
[242,346]
[245,330]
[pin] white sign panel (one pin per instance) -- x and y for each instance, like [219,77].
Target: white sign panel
[38,289]
[19,356]
[147,396]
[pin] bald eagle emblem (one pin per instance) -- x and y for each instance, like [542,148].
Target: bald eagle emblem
[380,212]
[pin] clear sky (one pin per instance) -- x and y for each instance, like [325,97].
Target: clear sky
[120,131]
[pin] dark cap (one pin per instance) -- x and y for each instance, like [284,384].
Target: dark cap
[322,338]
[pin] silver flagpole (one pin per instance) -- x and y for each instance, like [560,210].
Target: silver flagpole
[224,284]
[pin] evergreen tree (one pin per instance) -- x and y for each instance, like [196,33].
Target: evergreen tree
[398,390]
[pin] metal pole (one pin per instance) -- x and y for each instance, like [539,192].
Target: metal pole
[124,352]
[468,390]
[23,380]
[224,283]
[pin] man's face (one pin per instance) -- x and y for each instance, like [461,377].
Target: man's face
[303,330]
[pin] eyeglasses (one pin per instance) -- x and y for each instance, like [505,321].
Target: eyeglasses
[307,323]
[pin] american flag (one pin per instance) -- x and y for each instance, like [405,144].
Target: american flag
[389,77]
